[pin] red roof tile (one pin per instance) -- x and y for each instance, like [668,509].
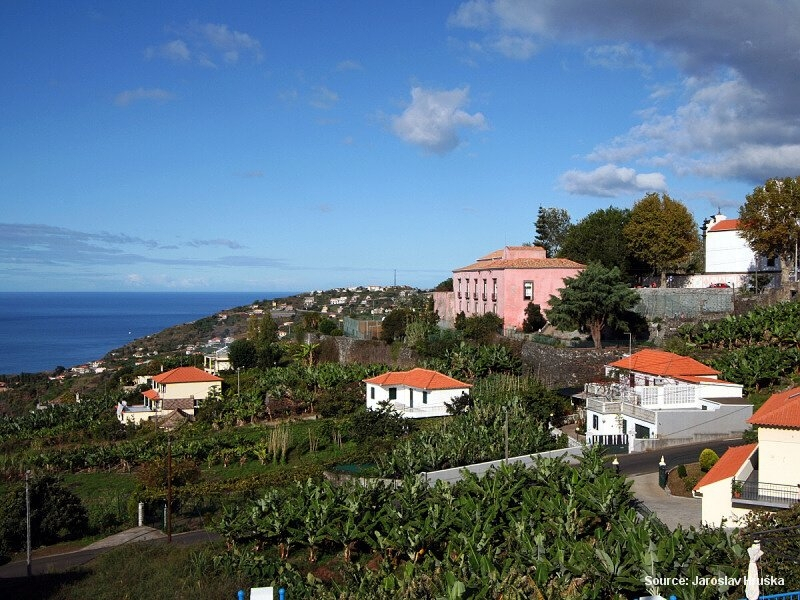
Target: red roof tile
[522,263]
[728,464]
[423,379]
[667,364]
[780,410]
[726,225]
[185,375]
[152,394]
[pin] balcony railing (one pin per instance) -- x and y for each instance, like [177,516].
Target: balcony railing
[466,295]
[758,493]
[620,408]
[494,297]
[459,295]
[484,297]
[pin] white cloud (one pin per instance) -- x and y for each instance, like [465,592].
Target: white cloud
[208,45]
[349,65]
[323,98]
[616,56]
[150,94]
[734,113]
[433,119]
[610,181]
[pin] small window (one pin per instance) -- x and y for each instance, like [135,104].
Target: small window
[771,261]
[527,290]
[424,397]
[595,422]
[392,393]
[372,393]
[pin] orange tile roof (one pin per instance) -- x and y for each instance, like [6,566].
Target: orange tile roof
[152,394]
[492,255]
[780,410]
[522,263]
[728,464]
[659,362]
[726,225]
[185,375]
[423,379]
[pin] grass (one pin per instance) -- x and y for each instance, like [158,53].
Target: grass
[146,571]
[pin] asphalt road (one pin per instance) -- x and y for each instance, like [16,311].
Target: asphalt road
[647,462]
[59,563]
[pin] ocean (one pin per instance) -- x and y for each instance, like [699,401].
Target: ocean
[42,330]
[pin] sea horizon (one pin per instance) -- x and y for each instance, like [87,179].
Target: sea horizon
[40,331]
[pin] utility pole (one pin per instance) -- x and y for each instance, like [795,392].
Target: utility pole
[505,430]
[28,519]
[169,489]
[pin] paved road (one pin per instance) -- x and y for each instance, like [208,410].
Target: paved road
[647,462]
[59,563]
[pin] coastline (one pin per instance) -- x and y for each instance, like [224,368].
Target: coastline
[45,330]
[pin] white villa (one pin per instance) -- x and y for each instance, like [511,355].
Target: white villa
[171,394]
[657,395]
[729,258]
[415,394]
[765,475]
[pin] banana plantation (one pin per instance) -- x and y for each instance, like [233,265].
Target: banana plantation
[552,531]
[756,349]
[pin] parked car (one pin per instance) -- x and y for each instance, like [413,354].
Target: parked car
[719,285]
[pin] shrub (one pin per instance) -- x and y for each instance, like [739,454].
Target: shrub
[708,458]
[690,482]
[681,471]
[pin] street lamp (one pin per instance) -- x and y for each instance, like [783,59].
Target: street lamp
[615,462]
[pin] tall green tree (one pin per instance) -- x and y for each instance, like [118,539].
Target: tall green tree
[598,237]
[770,221]
[394,325]
[552,225]
[243,354]
[594,298]
[661,232]
[534,319]
[56,514]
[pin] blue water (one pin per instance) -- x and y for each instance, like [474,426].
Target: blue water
[40,331]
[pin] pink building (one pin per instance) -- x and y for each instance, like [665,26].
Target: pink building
[504,282]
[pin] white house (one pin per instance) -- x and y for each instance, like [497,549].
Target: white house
[762,476]
[658,395]
[729,258]
[416,393]
[217,361]
[181,389]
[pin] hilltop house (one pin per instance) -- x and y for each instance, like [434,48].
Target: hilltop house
[505,282]
[180,391]
[416,393]
[729,258]
[765,475]
[658,395]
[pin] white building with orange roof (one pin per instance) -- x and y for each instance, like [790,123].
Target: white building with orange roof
[655,398]
[729,258]
[762,476]
[181,389]
[415,394]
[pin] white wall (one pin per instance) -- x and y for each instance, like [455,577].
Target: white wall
[199,390]
[778,456]
[718,507]
[434,407]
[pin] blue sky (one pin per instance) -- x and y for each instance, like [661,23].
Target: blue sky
[273,146]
